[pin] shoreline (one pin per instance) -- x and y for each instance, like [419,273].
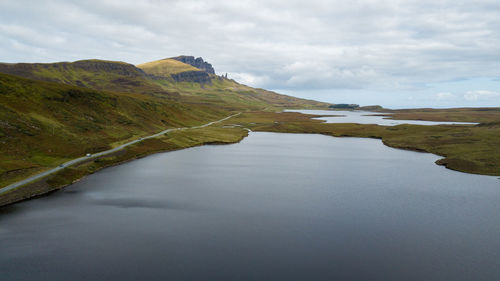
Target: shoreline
[42,188]
[40,184]
[97,155]
[199,136]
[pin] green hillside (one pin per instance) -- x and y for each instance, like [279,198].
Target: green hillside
[166,67]
[61,111]
[45,123]
[223,92]
[94,74]
[124,77]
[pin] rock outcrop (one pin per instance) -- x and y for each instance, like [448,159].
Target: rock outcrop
[196,62]
[201,77]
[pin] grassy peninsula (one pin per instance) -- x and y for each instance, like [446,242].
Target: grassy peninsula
[465,148]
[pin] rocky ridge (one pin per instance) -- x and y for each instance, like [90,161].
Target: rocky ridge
[192,76]
[196,62]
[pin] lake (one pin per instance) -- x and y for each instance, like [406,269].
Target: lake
[273,207]
[367,117]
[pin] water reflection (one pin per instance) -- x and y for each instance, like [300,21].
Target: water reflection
[273,207]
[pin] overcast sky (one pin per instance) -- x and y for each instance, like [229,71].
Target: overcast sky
[393,53]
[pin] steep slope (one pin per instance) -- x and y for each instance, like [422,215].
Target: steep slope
[175,71]
[166,67]
[198,86]
[166,78]
[229,94]
[53,112]
[86,106]
[44,123]
[94,74]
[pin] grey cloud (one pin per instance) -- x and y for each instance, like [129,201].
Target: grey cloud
[481,95]
[276,44]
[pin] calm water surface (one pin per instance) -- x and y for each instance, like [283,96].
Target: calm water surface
[367,117]
[273,207]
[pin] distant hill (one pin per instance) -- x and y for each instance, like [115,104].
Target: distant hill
[176,70]
[94,74]
[166,67]
[344,106]
[50,112]
[167,77]
[373,108]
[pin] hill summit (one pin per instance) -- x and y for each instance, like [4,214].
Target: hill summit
[196,62]
[180,69]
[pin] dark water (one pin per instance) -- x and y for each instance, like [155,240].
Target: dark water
[274,207]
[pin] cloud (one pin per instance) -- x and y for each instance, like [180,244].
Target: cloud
[249,79]
[320,75]
[378,46]
[482,95]
[445,96]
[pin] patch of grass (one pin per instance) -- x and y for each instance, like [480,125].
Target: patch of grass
[475,115]
[43,159]
[65,177]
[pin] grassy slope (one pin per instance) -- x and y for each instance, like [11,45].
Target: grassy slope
[124,77]
[225,93]
[44,123]
[94,74]
[166,67]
